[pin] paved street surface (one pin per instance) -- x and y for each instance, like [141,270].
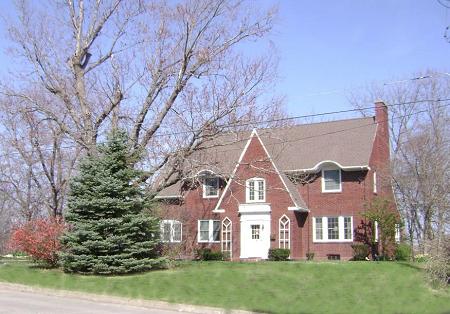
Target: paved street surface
[15,301]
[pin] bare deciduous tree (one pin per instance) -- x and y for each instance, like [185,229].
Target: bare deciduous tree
[37,164]
[174,74]
[420,144]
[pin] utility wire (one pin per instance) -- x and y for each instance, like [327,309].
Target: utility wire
[344,90]
[302,116]
[286,119]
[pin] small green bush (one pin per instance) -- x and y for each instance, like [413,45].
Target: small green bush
[403,252]
[206,254]
[421,258]
[360,251]
[279,254]
[310,256]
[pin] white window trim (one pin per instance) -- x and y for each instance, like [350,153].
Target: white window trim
[217,187]
[172,231]
[230,228]
[325,229]
[323,181]
[247,191]
[375,231]
[210,231]
[397,233]
[288,231]
[375,188]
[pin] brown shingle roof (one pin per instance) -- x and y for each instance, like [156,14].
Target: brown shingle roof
[301,147]
[347,142]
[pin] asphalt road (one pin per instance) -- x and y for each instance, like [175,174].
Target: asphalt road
[12,301]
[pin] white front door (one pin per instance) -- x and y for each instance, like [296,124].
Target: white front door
[255,235]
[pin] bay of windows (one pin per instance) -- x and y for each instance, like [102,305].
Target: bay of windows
[333,229]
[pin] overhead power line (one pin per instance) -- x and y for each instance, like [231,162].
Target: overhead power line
[255,123]
[280,120]
[345,90]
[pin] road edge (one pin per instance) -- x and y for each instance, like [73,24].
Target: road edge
[161,305]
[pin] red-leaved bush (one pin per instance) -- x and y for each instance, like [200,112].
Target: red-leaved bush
[39,238]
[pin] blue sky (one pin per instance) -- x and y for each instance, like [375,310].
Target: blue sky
[342,45]
[329,47]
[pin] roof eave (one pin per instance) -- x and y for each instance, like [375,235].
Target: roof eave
[299,209]
[319,165]
[168,196]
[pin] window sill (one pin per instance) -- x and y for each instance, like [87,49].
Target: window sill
[332,191]
[332,241]
[255,202]
[218,211]
[208,241]
[213,196]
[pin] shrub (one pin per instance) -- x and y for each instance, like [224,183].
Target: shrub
[39,239]
[360,251]
[279,254]
[206,254]
[403,252]
[421,258]
[310,256]
[438,271]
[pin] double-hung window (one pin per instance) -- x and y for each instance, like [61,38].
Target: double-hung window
[331,181]
[208,230]
[210,187]
[171,231]
[333,229]
[256,190]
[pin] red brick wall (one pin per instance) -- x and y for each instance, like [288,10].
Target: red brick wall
[256,163]
[357,189]
[349,202]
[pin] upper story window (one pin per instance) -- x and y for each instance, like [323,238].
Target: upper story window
[210,187]
[256,190]
[331,180]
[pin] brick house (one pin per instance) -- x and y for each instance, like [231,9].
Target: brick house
[300,187]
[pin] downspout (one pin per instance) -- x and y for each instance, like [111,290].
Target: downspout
[309,218]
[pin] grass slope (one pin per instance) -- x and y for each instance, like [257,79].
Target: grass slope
[276,287]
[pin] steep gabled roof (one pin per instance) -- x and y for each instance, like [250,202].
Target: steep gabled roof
[297,201]
[304,147]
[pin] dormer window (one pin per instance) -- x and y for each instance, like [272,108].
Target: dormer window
[256,190]
[331,180]
[210,187]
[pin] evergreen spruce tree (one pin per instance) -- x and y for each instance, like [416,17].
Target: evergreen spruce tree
[112,230]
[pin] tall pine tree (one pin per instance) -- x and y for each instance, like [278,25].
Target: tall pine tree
[112,230]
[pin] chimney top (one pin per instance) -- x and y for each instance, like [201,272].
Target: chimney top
[381,111]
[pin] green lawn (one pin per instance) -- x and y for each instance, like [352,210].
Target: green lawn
[276,287]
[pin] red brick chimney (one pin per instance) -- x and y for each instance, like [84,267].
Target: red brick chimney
[382,118]
[381,149]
